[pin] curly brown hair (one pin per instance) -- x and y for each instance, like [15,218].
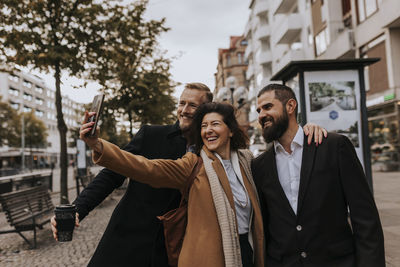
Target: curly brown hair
[239,138]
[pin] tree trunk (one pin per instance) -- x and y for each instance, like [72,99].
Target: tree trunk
[62,129]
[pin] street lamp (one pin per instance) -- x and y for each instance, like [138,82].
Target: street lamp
[241,96]
[223,94]
[22,132]
[231,84]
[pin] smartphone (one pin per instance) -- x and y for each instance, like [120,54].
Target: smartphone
[97,106]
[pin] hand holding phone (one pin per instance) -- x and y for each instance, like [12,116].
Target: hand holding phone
[97,106]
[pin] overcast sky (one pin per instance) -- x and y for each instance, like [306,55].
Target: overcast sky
[198,29]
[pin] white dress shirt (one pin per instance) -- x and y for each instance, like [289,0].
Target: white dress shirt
[240,196]
[289,166]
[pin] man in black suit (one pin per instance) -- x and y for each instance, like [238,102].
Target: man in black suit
[134,235]
[308,194]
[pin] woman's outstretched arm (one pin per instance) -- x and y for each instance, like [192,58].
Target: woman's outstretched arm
[157,173]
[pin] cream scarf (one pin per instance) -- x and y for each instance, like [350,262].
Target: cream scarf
[226,216]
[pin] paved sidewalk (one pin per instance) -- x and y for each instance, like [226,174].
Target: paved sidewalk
[387,197]
[15,252]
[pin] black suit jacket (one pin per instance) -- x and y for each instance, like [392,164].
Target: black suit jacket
[134,236]
[332,184]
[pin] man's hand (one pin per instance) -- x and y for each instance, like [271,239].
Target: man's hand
[314,130]
[53,223]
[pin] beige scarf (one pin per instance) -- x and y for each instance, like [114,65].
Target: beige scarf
[226,216]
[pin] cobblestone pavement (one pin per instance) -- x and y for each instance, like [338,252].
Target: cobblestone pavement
[15,252]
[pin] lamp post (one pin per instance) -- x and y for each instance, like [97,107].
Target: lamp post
[231,84]
[22,134]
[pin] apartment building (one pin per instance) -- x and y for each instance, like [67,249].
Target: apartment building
[277,31]
[26,93]
[367,29]
[230,79]
[289,30]
[231,62]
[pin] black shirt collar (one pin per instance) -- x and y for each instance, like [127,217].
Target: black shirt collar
[175,130]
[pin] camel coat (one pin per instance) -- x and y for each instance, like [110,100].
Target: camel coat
[202,245]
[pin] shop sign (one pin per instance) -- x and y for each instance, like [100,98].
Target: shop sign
[380,100]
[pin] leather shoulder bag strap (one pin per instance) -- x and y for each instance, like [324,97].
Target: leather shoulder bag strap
[189,183]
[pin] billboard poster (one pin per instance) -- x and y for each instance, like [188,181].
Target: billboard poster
[81,156]
[333,101]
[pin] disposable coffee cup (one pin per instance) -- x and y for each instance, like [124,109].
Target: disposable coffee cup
[65,218]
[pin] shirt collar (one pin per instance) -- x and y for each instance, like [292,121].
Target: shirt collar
[297,140]
[175,130]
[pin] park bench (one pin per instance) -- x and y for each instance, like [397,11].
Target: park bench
[27,210]
[83,180]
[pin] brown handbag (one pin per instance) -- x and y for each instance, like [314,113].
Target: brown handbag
[174,221]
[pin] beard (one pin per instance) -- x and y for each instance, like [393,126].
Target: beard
[277,128]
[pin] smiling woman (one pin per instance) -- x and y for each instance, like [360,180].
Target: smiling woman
[216,134]
[224,226]
[210,120]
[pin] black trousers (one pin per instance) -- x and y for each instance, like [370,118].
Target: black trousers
[246,251]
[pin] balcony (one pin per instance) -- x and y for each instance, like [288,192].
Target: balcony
[247,29]
[263,32]
[249,72]
[261,8]
[265,81]
[282,6]
[265,57]
[342,45]
[290,55]
[288,29]
[248,52]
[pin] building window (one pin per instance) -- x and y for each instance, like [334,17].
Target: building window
[296,46]
[13,91]
[259,79]
[228,60]
[50,94]
[310,36]
[39,89]
[27,84]
[321,42]
[39,101]
[27,97]
[346,7]
[377,74]
[366,8]
[14,105]
[244,42]
[324,12]
[39,113]
[240,58]
[13,78]
[383,128]
[27,109]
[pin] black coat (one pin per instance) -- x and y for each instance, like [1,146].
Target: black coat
[332,182]
[134,236]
